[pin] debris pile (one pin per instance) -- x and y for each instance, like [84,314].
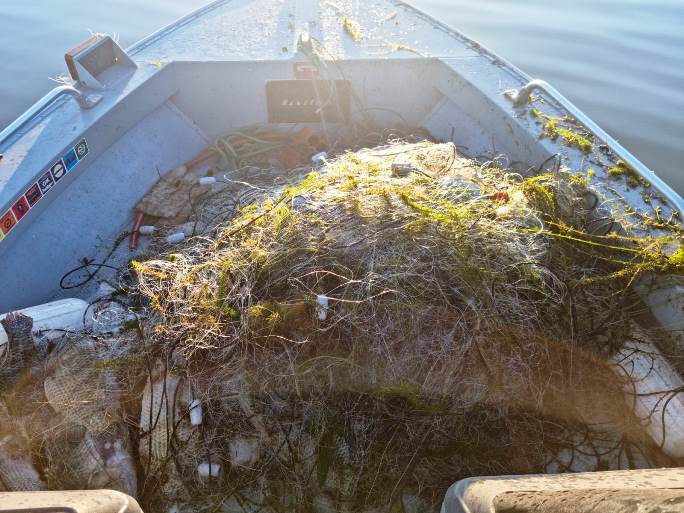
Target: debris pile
[353,338]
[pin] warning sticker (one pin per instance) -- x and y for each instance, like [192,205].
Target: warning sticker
[46,182]
[70,159]
[58,170]
[81,149]
[7,222]
[20,208]
[33,195]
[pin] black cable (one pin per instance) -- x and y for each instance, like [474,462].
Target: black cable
[87,264]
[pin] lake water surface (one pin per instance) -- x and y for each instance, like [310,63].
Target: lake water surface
[621,61]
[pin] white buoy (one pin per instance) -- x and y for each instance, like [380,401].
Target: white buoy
[666,301]
[147,229]
[175,238]
[319,158]
[207,470]
[207,180]
[322,307]
[62,315]
[195,407]
[651,391]
[190,228]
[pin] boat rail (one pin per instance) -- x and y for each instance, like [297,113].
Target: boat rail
[521,97]
[85,101]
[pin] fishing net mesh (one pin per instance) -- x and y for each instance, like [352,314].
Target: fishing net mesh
[399,319]
[355,338]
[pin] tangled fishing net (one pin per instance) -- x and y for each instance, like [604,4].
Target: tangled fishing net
[401,318]
[359,337]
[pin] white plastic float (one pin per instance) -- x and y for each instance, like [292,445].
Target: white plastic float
[322,307]
[666,300]
[62,315]
[147,229]
[207,180]
[175,238]
[195,408]
[652,393]
[209,470]
[319,158]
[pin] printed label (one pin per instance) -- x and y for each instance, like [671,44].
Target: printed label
[46,182]
[20,208]
[308,101]
[70,159]
[7,222]
[33,195]
[81,149]
[58,170]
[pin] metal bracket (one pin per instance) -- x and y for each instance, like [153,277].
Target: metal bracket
[521,97]
[85,101]
[91,63]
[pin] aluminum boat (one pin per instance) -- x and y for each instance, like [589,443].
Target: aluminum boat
[76,163]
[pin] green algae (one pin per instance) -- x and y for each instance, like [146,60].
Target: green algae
[563,128]
[352,28]
[624,170]
[553,130]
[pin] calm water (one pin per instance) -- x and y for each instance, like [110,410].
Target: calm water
[621,61]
